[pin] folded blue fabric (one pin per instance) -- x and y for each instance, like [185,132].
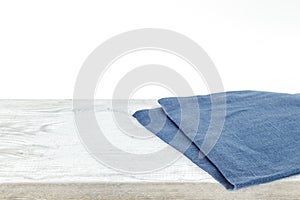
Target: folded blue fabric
[259,142]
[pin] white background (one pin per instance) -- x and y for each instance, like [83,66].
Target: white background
[255,44]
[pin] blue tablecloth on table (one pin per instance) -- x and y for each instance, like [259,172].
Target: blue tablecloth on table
[259,141]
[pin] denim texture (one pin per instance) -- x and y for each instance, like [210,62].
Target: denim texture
[259,142]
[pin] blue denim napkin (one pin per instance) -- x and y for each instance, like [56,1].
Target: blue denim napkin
[259,142]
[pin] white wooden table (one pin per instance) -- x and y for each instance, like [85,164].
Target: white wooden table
[42,158]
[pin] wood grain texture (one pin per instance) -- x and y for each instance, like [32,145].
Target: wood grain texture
[42,158]
[168,190]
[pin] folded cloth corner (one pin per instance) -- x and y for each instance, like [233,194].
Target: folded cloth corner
[259,141]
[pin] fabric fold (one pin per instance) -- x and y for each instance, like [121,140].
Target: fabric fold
[259,142]
[182,143]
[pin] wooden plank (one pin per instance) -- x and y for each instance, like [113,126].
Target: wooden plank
[41,155]
[169,190]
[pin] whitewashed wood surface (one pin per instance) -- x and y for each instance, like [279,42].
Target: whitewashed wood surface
[40,148]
